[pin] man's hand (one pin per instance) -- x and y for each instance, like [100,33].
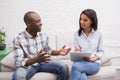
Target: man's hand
[63,51]
[38,59]
[42,57]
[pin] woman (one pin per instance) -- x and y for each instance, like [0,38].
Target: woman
[87,39]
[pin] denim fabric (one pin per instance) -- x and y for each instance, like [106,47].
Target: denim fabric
[81,69]
[60,69]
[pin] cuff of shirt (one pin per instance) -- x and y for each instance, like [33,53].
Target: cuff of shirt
[49,52]
[24,62]
[21,63]
[99,54]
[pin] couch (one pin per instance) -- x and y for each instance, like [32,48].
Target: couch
[108,71]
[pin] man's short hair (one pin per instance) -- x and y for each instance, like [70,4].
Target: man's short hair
[27,15]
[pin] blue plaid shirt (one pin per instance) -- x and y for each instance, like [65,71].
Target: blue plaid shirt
[25,46]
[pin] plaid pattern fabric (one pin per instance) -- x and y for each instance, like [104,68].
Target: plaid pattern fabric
[25,46]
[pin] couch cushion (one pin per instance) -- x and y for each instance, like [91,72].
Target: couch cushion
[38,76]
[8,61]
[105,73]
[66,40]
[106,60]
[44,76]
[6,75]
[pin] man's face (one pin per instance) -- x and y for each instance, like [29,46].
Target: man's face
[34,24]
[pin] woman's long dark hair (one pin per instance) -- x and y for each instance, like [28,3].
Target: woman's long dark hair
[92,16]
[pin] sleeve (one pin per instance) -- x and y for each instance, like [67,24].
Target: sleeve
[47,47]
[19,57]
[76,41]
[100,50]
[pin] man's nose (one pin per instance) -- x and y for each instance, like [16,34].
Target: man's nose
[40,24]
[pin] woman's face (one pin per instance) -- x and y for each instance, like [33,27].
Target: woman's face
[85,21]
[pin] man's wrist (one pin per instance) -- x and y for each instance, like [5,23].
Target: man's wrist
[36,59]
[58,52]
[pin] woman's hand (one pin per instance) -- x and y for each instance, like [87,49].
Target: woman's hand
[64,51]
[77,50]
[91,59]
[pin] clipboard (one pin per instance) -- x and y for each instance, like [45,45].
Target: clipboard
[79,56]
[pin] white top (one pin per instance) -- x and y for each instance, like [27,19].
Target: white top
[92,43]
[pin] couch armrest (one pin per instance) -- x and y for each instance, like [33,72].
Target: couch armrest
[8,62]
[118,72]
[6,68]
[116,61]
[106,60]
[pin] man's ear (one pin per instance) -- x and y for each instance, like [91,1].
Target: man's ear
[28,23]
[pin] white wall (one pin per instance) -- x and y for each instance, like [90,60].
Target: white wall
[61,16]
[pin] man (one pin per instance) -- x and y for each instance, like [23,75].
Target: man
[30,48]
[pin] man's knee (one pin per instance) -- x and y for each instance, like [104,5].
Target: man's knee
[20,74]
[65,67]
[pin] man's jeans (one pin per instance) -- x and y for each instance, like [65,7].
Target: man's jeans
[81,69]
[60,69]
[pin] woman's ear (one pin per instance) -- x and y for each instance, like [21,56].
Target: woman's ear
[91,22]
